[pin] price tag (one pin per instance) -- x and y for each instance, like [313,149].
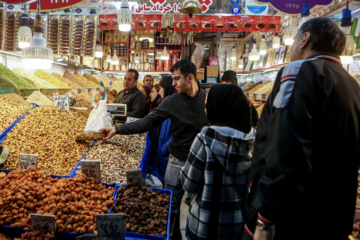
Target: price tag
[266,97]
[251,95]
[111,83]
[85,90]
[111,226]
[91,168]
[259,96]
[61,101]
[27,161]
[131,119]
[39,222]
[75,90]
[134,177]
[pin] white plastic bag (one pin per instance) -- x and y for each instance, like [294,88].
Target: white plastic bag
[198,55]
[98,118]
[152,181]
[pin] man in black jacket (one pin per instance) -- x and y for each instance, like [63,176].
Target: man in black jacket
[186,109]
[307,148]
[132,96]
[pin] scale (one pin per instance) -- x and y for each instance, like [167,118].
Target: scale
[117,111]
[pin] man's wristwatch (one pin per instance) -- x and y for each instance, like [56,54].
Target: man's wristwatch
[262,225]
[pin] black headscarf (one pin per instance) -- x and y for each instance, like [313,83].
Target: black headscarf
[227,106]
[169,89]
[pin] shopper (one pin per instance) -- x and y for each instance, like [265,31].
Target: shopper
[186,109]
[217,166]
[229,77]
[146,90]
[132,96]
[155,97]
[149,81]
[307,148]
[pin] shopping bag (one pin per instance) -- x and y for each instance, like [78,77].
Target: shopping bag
[98,118]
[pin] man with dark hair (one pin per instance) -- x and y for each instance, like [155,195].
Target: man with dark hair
[132,96]
[229,77]
[149,81]
[305,165]
[186,109]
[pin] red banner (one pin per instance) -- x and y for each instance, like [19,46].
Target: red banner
[207,23]
[47,5]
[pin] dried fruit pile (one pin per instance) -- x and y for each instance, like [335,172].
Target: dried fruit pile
[50,78]
[41,83]
[20,82]
[146,211]
[76,80]
[73,201]
[66,81]
[86,81]
[50,133]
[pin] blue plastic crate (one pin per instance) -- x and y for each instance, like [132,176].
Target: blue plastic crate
[138,236]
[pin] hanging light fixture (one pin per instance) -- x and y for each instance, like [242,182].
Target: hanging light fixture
[165,55]
[305,13]
[241,62]
[263,46]
[290,33]
[37,55]
[347,55]
[276,41]
[24,33]
[108,59]
[190,7]
[124,17]
[114,59]
[99,51]
[233,54]
[254,55]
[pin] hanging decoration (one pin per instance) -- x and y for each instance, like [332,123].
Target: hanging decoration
[293,7]
[48,5]
[235,4]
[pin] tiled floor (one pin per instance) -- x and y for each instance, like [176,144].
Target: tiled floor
[183,214]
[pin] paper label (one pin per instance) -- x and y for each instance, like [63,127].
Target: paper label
[91,168]
[39,222]
[27,161]
[259,96]
[134,177]
[75,90]
[85,90]
[61,101]
[111,226]
[131,119]
[251,95]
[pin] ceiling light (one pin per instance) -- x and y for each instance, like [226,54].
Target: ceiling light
[114,60]
[37,55]
[241,62]
[291,32]
[108,59]
[99,51]
[276,41]
[233,54]
[24,33]
[263,46]
[165,55]
[124,17]
[254,55]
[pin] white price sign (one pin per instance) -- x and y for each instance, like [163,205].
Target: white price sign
[91,168]
[111,226]
[75,90]
[39,222]
[251,95]
[259,96]
[85,90]
[61,101]
[27,161]
[134,177]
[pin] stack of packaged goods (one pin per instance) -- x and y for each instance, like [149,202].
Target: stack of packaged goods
[117,154]
[40,83]
[19,82]
[66,81]
[50,78]
[48,132]
[11,110]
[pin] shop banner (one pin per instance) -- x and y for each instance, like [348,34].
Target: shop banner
[139,22]
[48,5]
[154,22]
[179,22]
[220,24]
[207,23]
[233,24]
[160,6]
[293,6]
[193,24]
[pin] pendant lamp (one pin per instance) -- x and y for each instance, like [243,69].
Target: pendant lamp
[165,55]
[37,55]
[24,33]
[114,60]
[276,41]
[263,46]
[190,7]
[99,51]
[241,62]
[254,55]
[233,54]
[124,17]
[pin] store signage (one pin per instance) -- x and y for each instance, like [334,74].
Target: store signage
[91,168]
[134,177]
[160,6]
[61,101]
[27,161]
[110,226]
[293,6]
[40,222]
[48,5]
[254,8]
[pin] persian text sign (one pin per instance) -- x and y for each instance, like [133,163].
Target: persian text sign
[293,6]
[163,7]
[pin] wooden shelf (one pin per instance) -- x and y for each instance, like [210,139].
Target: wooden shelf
[114,42]
[142,50]
[160,50]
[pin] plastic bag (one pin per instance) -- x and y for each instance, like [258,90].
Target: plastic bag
[152,181]
[198,55]
[98,118]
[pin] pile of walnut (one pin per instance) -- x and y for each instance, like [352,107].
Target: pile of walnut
[146,211]
[50,133]
[73,201]
[37,235]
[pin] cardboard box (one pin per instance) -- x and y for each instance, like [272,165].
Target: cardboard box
[200,74]
[124,37]
[108,36]
[117,36]
[212,71]
[211,80]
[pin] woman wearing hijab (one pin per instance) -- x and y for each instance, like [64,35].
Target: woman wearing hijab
[155,98]
[146,90]
[216,168]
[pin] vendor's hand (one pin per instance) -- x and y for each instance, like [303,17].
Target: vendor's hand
[264,234]
[107,133]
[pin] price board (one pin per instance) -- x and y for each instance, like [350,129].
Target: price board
[27,161]
[134,177]
[91,168]
[61,101]
[111,226]
[39,222]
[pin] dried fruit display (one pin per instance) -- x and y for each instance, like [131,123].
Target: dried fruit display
[259,109]
[12,110]
[117,154]
[66,81]
[257,87]
[53,33]
[73,201]
[86,81]
[39,99]
[4,82]
[20,82]
[92,79]
[118,86]
[36,235]
[266,88]
[104,79]
[50,78]
[73,78]
[111,95]
[253,86]
[50,133]
[146,211]
[88,41]
[64,34]
[246,86]
[83,100]
[41,83]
